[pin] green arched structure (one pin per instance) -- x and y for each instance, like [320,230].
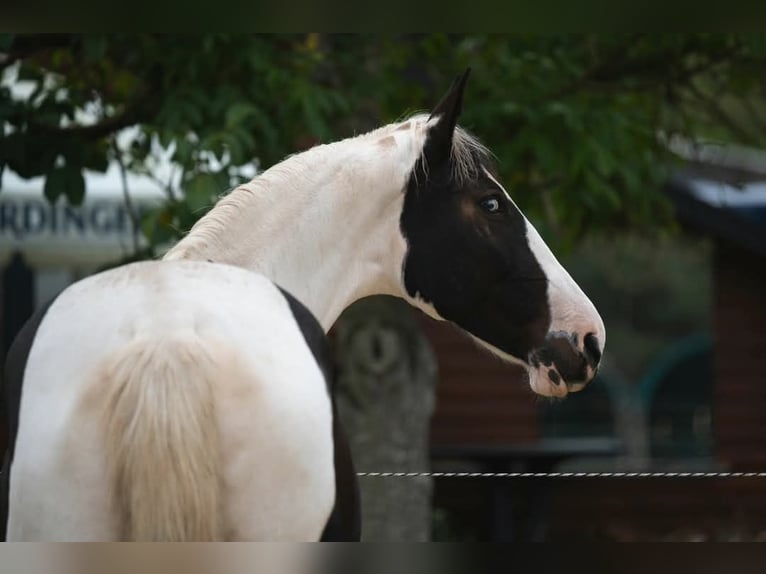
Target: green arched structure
[675,393]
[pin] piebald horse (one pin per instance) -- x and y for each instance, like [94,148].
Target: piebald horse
[187,398]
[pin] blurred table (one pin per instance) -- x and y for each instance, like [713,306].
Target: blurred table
[514,498]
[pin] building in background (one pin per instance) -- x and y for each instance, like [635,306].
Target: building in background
[44,247]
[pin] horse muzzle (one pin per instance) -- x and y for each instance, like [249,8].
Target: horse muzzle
[566,362]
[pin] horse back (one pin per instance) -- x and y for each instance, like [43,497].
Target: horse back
[93,319]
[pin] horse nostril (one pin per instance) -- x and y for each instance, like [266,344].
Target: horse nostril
[592,350]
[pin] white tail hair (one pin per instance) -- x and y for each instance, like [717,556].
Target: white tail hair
[162,441]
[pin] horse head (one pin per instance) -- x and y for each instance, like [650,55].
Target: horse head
[472,258]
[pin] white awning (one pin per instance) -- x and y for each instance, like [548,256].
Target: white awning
[60,235]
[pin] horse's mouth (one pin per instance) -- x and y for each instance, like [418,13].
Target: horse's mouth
[547,381]
[560,366]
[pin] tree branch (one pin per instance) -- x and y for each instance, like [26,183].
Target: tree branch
[139,110]
[714,109]
[618,67]
[26,45]
[755,114]
[126,194]
[166,187]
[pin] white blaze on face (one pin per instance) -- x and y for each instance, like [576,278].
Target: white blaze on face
[571,310]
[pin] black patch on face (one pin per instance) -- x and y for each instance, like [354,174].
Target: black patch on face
[345,521]
[475,268]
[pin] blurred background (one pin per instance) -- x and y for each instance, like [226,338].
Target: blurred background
[640,158]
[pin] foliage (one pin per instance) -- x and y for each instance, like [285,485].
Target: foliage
[651,292]
[573,119]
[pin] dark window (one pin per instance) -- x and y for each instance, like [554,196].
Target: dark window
[678,392]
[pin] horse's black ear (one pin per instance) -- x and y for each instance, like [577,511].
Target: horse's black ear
[439,140]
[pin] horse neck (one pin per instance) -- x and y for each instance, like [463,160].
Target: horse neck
[324,225]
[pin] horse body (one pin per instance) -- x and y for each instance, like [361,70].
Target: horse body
[271,404]
[136,374]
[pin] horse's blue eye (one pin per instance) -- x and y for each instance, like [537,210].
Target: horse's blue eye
[490,204]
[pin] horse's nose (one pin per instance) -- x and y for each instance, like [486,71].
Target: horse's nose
[576,366]
[592,350]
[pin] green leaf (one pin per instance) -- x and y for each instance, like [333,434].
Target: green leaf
[156,225]
[95,157]
[93,48]
[241,146]
[201,190]
[239,113]
[149,223]
[757,43]
[166,137]
[124,83]
[29,73]
[184,152]
[75,189]
[218,146]
[54,185]
[191,113]
[67,181]
[266,127]
[314,118]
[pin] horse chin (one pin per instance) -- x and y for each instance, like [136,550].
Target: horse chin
[546,382]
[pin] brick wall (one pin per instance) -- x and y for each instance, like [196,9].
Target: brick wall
[710,509]
[479,399]
[739,362]
[627,510]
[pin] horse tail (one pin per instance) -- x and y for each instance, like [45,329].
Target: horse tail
[162,441]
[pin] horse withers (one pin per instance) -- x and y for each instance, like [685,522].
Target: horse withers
[187,398]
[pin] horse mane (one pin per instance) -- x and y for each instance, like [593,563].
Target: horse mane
[469,156]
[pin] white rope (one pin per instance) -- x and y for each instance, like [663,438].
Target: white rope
[562,474]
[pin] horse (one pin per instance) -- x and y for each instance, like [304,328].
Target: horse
[189,398]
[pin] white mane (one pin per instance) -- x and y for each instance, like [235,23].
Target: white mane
[468,152]
[468,156]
